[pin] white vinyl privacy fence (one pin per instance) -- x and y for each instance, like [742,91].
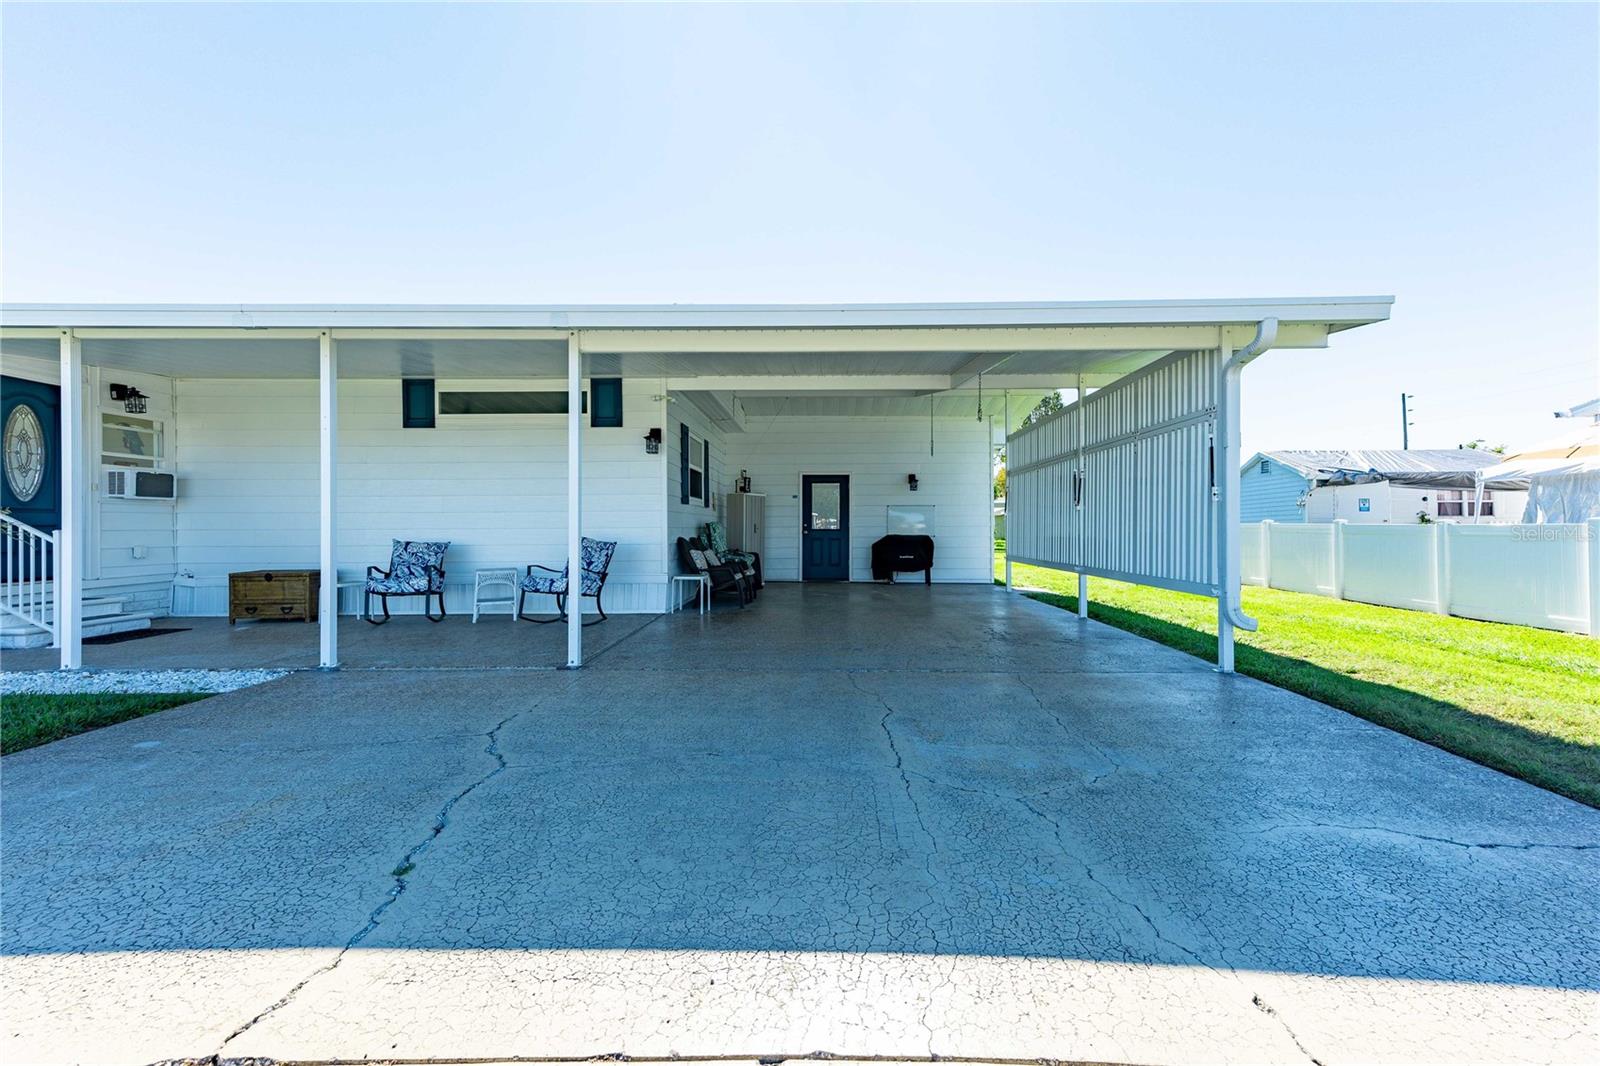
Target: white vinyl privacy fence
[1546,576]
[1120,483]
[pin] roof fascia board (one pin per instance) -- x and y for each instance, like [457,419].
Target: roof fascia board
[726,341]
[1028,339]
[1333,311]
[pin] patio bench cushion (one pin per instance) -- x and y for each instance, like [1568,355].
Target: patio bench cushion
[736,560]
[717,540]
[553,583]
[695,558]
[394,584]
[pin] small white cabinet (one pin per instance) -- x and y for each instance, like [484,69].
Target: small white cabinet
[746,518]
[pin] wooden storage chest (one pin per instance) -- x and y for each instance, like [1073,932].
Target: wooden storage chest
[282,594]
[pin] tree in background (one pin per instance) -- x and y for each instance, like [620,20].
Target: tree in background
[1498,449]
[1045,408]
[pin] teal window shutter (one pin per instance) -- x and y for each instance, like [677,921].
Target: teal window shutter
[416,403]
[606,410]
[683,463]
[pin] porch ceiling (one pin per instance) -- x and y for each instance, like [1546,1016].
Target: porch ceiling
[274,357]
[1008,407]
[887,350]
[500,357]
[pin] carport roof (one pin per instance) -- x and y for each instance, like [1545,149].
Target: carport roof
[891,356]
[1336,312]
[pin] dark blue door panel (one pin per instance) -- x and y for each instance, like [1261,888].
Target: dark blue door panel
[30,465]
[30,488]
[825,527]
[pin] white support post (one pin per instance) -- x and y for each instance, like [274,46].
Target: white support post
[1441,567]
[1266,552]
[1083,579]
[575,502]
[1338,557]
[1005,402]
[1226,463]
[70,560]
[328,421]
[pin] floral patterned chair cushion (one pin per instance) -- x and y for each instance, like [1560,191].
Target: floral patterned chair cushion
[415,566]
[730,559]
[595,558]
[717,537]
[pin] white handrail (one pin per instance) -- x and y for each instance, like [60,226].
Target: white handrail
[28,588]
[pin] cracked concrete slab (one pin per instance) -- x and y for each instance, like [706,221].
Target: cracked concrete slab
[854,820]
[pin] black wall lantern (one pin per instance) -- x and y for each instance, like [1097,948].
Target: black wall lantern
[652,442]
[911,481]
[133,401]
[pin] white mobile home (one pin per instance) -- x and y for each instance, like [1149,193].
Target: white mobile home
[1372,485]
[162,449]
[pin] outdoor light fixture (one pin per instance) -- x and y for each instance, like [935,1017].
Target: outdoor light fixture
[652,442]
[911,480]
[133,401]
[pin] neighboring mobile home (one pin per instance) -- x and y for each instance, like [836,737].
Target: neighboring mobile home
[309,436]
[1371,485]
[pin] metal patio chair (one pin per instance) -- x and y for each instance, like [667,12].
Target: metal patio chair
[416,568]
[594,561]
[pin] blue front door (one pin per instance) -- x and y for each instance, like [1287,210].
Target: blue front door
[825,529]
[31,488]
[30,460]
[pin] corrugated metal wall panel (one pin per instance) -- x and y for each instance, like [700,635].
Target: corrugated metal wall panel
[1146,512]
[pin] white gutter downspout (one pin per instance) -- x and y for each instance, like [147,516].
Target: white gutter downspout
[1230,611]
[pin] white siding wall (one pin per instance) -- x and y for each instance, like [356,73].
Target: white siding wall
[1399,504]
[116,528]
[877,454]
[685,519]
[120,529]
[494,486]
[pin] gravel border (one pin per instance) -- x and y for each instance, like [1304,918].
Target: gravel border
[61,682]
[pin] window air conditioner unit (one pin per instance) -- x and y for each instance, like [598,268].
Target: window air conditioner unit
[141,485]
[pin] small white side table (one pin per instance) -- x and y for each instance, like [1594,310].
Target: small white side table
[696,579]
[495,579]
[350,583]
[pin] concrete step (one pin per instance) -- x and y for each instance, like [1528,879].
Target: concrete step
[93,607]
[15,633]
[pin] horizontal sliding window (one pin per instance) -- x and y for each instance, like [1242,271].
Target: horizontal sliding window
[505,403]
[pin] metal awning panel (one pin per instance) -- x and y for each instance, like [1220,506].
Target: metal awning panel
[1120,484]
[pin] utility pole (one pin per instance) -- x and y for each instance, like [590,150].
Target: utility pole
[1405,420]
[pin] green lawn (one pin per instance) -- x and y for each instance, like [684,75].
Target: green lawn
[28,721]
[1525,701]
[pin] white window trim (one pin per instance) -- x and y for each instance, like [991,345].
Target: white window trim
[160,462]
[697,451]
[1464,499]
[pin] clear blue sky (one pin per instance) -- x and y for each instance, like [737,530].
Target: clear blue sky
[1443,154]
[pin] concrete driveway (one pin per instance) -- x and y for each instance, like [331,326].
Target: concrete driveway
[856,820]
